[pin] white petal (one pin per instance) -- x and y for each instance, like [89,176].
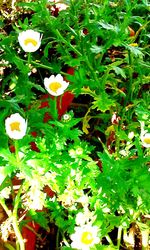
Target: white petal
[52,78]
[59,78]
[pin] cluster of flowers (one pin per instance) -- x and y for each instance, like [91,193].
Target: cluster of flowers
[16,125]
[86,235]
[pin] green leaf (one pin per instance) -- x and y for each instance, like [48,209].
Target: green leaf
[103,102]
[119,71]
[135,50]
[108,26]
[97,49]
[40,218]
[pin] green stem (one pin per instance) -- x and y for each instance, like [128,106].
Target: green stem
[41,65]
[109,240]
[117,146]
[65,241]
[12,190]
[119,237]
[91,69]
[55,112]
[67,43]
[29,59]
[20,242]
[16,151]
[130,92]
[57,240]
[8,212]
[9,246]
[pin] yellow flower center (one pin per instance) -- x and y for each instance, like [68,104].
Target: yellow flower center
[146,140]
[54,86]
[15,126]
[87,238]
[30,40]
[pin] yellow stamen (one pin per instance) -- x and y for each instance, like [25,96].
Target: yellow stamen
[15,126]
[54,86]
[147,140]
[133,44]
[30,40]
[87,238]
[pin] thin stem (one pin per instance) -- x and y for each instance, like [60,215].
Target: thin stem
[117,145]
[20,242]
[12,190]
[67,43]
[130,94]
[16,151]
[8,212]
[91,69]
[29,59]
[109,240]
[119,237]
[65,241]
[9,246]
[55,112]
[41,65]
[57,240]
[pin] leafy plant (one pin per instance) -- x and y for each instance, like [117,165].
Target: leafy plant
[75,132]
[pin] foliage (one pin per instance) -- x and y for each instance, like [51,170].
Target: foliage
[93,160]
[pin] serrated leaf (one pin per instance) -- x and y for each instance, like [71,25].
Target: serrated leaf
[40,218]
[87,90]
[86,125]
[74,62]
[102,103]
[108,26]
[119,71]
[96,49]
[135,50]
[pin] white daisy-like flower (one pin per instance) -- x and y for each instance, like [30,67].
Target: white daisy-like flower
[55,85]
[84,237]
[59,6]
[29,40]
[16,126]
[145,138]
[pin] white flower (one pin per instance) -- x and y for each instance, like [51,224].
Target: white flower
[66,117]
[84,237]
[34,199]
[87,217]
[59,6]
[131,135]
[16,126]
[6,228]
[145,138]
[29,40]
[55,85]
[5,192]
